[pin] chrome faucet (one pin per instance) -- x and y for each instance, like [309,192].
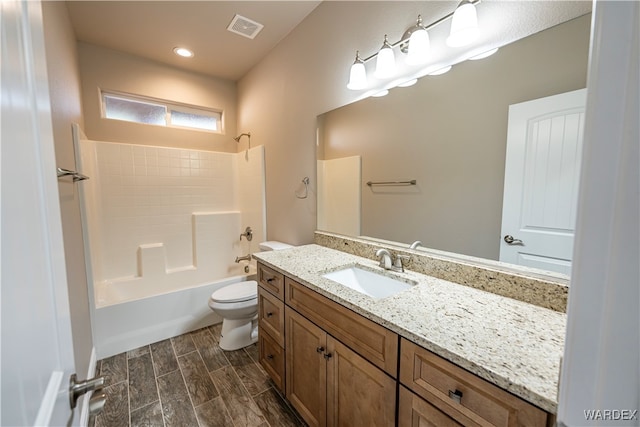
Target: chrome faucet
[397,263]
[388,262]
[247,257]
[385,258]
[416,244]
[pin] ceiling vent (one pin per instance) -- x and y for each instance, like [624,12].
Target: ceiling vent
[245,27]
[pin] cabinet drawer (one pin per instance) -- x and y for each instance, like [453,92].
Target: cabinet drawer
[271,315]
[271,280]
[414,411]
[272,357]
[465,397]
[370,340]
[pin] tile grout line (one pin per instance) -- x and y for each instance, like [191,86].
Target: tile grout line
[226,409]
[126,356]
[246,389]
[257,406]
[184,381]
[224,354]
[222,367]
[210,379]
[155,379]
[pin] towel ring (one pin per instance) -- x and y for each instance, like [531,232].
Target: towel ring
[305,181]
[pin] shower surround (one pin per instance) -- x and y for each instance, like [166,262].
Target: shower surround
[163,227]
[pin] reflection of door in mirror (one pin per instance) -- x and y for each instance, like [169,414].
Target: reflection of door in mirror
[542,170]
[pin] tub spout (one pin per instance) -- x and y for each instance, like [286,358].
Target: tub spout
[247,257]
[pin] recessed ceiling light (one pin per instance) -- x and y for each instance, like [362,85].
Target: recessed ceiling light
[184,52]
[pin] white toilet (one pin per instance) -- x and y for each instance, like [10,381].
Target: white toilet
[237,304]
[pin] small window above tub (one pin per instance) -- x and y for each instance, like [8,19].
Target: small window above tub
[137,109]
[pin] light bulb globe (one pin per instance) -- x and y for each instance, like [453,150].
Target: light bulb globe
[464,25]
[419,44]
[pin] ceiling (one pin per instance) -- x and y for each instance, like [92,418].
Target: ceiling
[151,29]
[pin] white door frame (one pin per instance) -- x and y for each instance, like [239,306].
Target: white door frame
[601,365]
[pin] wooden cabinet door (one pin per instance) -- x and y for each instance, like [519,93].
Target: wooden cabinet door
[358,393]
[306,368]
[271,315]
[272,359]
[416,412]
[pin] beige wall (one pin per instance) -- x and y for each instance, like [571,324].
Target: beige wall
[304,76]
[280,98]
[107,69]
[64,87]
[449,132]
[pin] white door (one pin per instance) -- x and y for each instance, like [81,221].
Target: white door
[37,353]
[542,171]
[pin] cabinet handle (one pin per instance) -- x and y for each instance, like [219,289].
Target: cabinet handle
[269,314]
[270,356]
[320,349]
[271,279]
[327,356]
[455,395]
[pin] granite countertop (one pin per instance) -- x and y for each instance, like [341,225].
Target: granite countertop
[514,345]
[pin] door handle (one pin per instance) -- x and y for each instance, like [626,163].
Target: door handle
[78,388]
[512,241]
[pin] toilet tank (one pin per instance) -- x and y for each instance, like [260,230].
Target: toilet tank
[273,245]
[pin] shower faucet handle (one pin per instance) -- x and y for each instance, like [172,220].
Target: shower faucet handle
[248,233]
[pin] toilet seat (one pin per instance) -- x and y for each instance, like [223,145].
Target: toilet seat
[236,292]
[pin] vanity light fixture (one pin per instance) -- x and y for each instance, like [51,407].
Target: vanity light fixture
[440,71]
[383,92]
[357,75]
[464,25]
[416,44]
[183,51]
[484,54]
[386,62]
[408,83]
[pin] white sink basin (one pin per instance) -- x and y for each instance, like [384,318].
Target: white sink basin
[368,282]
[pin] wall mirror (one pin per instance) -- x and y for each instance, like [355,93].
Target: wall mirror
[449,134]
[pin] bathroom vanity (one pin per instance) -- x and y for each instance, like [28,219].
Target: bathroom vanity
[438,352]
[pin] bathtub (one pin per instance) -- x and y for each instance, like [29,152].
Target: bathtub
[127,321]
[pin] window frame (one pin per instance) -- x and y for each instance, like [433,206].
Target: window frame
[169,107]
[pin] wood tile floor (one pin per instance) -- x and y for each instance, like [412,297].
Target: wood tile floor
[189,381]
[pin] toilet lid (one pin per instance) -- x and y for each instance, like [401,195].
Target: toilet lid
[236,292]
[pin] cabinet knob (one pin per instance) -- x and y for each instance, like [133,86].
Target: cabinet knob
[455,395]
[327,356]
[320,349]
[269,314]
[270,356]
[271,279]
